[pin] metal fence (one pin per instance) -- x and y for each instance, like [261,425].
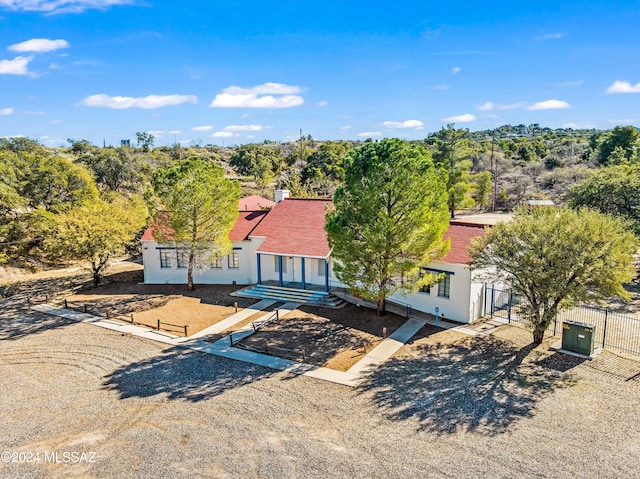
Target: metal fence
[614,331]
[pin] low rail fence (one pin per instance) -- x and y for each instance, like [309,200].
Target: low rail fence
[128,317]
[614,331]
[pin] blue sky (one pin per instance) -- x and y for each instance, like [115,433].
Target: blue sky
[232,72]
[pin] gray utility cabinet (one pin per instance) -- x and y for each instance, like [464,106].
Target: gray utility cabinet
[578,337]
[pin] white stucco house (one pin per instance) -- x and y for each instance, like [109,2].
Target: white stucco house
[283,244]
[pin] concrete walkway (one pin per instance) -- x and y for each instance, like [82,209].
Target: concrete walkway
[233,319]
[357,373]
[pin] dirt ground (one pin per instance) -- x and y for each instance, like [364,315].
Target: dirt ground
[333,338]
[172,305]
[445,406]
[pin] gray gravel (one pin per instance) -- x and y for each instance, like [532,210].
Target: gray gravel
[470,408]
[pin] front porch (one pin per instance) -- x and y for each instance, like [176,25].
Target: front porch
[294,272]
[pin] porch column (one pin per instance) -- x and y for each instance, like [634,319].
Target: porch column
[326,275]
[259,270]
[280,283]
[304,284]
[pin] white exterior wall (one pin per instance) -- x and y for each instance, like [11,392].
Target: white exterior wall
[245,274]
[464,296]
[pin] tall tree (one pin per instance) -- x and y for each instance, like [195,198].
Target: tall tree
[451,153]
[619,145]
[202,206]
[388,219]
[145,140]
[93,231]
[553,259]
[614,190]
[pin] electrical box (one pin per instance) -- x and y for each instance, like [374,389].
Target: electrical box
[578,337]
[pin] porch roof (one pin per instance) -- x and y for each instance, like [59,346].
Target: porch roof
[295,227]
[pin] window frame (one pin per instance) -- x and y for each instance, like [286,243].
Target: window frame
[165,259]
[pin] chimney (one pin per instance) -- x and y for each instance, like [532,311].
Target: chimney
[281,195]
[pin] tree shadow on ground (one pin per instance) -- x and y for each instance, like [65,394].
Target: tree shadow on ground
[182,374]
[475,385]
[17,321]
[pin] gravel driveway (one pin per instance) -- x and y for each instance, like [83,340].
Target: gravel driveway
[446,406]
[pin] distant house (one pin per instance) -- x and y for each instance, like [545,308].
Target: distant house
[284,244]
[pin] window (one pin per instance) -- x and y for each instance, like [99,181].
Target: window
[216,261]
[183,258]
[165,258]
[444,286]
[276,264]
[234,259]
[321,267]
[425,289]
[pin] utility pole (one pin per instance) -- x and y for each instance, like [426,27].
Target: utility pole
[301,151]
[494,171]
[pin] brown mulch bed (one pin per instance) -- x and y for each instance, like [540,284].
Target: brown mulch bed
[171,304]
[333,338]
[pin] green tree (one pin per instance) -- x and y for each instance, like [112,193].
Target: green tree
[388,219]
[202,206]
[553,259]
[93,231]
[327,162]
[451,152]
[118,169]
[145,140]
[624,138]
[259,161]
[482,187]
[614,190]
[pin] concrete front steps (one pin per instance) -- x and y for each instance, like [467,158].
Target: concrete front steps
[310,297]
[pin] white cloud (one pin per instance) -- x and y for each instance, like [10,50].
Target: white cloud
[260,96]
[369,134]
[488,106]
[235,128]
[147,102]
[6,111]
[417,124]
[346,127]
[17,66]
[441,87]
[55,66]
[464,118]
[623,121]
[156,133]
[455,70]
[549,36]
[39,45]
[202,128]
[323,103]
[60,6]
[550,105]
[623,87]
[224,134]
[174,132]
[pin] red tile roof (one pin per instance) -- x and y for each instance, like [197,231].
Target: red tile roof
[461,236]
[254,203]
[245,223]
[295,227]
